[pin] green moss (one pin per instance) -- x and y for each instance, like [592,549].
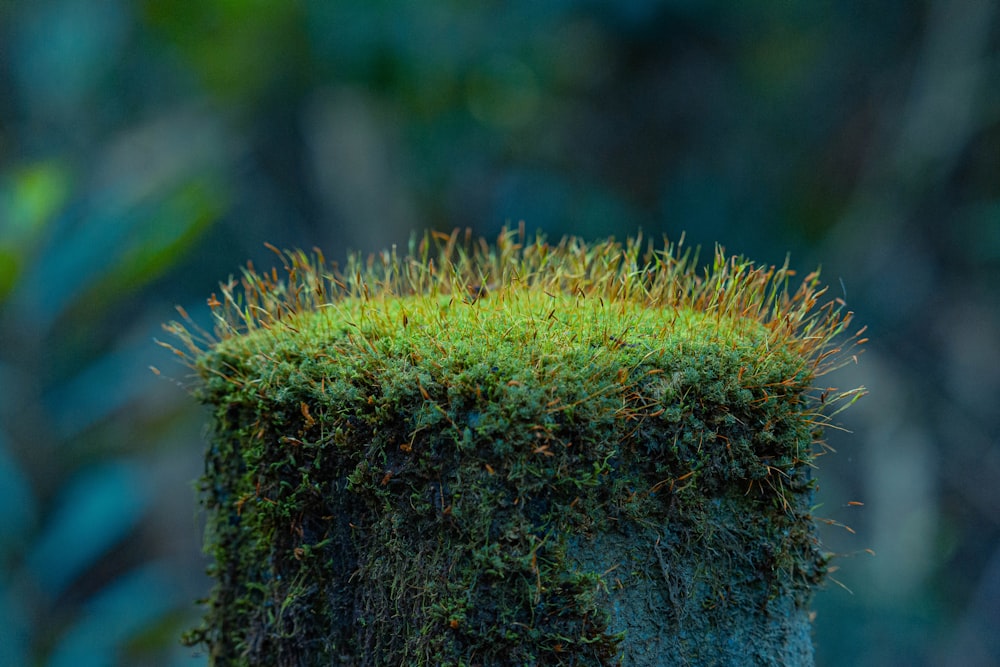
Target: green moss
[411,468]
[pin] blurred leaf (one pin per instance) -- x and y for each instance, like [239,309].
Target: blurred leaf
[14,630]
[162,239]
[9,270]
[63,48]
[18,509]
[233,45]
[503,92]
[75,406]
[98,508]
[981,223]
[122,610]
[29,198]
[115,252]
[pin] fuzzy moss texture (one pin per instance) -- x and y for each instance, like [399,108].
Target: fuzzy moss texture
[514,454]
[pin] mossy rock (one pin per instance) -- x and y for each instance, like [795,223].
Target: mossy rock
[514,455]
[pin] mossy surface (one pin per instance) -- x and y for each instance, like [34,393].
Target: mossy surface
[541,471]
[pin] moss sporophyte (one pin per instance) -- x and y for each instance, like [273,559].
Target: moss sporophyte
[515,454]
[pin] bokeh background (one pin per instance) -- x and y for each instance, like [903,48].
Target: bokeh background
[150,147]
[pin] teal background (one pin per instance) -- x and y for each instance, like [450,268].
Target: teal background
[148,148]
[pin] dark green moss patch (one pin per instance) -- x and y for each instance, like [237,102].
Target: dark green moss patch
[510,455]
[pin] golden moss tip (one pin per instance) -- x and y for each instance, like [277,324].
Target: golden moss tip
[730,289]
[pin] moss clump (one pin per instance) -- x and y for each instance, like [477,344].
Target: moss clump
[518,454]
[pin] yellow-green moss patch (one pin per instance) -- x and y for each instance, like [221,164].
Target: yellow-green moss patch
[482,454]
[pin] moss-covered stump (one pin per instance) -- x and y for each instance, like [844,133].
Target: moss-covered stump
[515,454]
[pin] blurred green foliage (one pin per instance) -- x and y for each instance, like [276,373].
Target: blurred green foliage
[149,147]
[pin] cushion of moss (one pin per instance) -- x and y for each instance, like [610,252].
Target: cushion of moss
[408,480]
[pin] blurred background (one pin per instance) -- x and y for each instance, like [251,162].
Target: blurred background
[150,147]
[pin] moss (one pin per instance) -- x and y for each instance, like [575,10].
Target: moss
[518,454]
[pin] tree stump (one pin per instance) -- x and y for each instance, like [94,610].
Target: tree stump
[514,454]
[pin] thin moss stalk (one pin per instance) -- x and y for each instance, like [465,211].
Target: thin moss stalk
[515,453]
